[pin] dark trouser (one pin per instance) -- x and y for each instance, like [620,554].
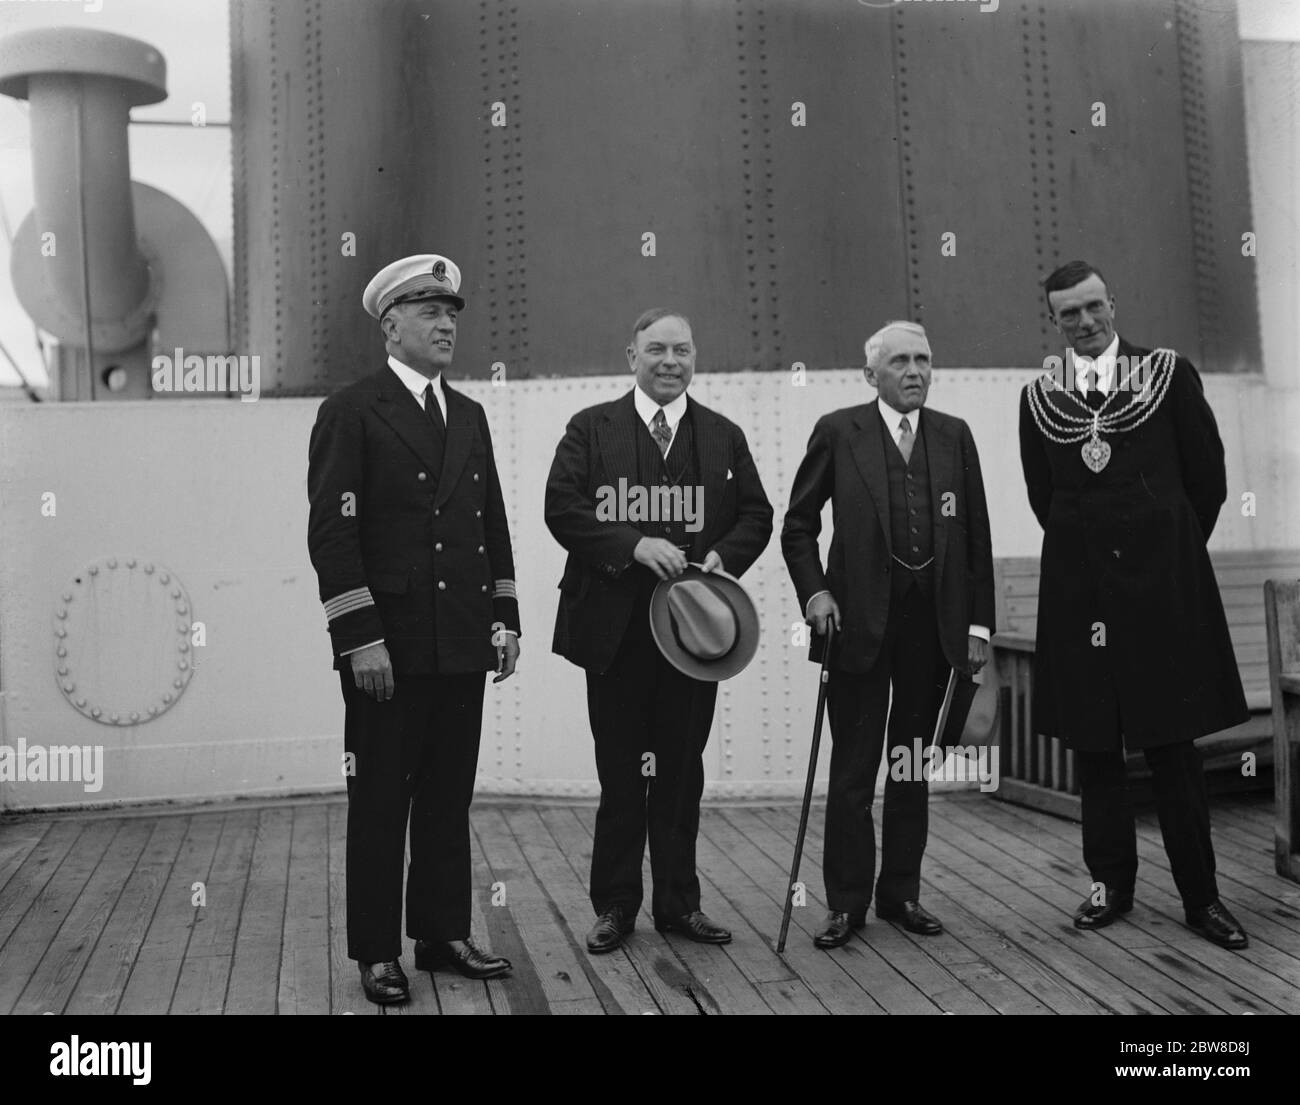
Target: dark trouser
[912,659]
[642,704]
[1109,835]
[415,754]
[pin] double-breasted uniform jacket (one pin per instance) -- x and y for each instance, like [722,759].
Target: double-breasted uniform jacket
[408,546]
[1124,562]
[845,463]
[597,590]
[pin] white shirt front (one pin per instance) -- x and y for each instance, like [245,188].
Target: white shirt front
[894,420]
[416,382]
[1104,363]
[647,408]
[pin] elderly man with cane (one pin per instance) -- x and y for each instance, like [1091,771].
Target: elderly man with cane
[908,588]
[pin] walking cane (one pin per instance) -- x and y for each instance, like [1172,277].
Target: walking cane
[808,787]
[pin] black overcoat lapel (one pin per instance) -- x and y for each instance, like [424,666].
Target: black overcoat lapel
[940,454]
[402,412]
[868,449]
[461,431]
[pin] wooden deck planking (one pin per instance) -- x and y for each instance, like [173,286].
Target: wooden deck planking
[968,951]
[44,916]
[887,983]
[547,967]
[1267,918]
[611,978]
[52,983]
[18,839]
[152,981]
[255,969]
[1122,948]
[921,971]
[1158,917]
[304,955]
[866,983]
[1106,966]
[205,970]
[713,980]
[32,874]
[102,981]
[830,985]
[753,951]
[96,916]
[659,970]
[565,873]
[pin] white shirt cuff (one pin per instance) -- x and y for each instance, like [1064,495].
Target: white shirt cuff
[980,631]
[809,602]
[360,647]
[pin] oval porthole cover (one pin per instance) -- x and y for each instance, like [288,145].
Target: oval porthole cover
[122,652]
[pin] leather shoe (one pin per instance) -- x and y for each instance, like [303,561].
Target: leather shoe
[460,955]
[1090,916]
[837,930]
[694,926]
[1215,923]
[385,983]
[912,917]
[607,933]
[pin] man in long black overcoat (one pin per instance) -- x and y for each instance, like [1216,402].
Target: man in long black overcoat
[1133,650]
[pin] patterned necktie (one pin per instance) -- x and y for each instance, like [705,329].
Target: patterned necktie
[906,439]
[659,430]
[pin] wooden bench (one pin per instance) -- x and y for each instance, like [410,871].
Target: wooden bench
[1040,773]
[1282,612]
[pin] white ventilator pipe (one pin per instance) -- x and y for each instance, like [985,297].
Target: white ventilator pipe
[81,86]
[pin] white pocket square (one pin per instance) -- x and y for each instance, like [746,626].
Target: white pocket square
[728,473]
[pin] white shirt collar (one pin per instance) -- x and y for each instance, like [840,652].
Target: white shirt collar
[892,418]
[416,382]
[1104,363]
[647,408]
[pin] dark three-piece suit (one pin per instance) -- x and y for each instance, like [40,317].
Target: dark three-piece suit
[911,568]
[409,539]
[637,701]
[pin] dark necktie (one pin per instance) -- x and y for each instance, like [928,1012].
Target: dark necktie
[437,427]
[659,430]
[1092,381]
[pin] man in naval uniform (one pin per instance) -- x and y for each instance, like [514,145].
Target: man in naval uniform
[908,586]
[408,536]
[1125,472]
[637,701]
